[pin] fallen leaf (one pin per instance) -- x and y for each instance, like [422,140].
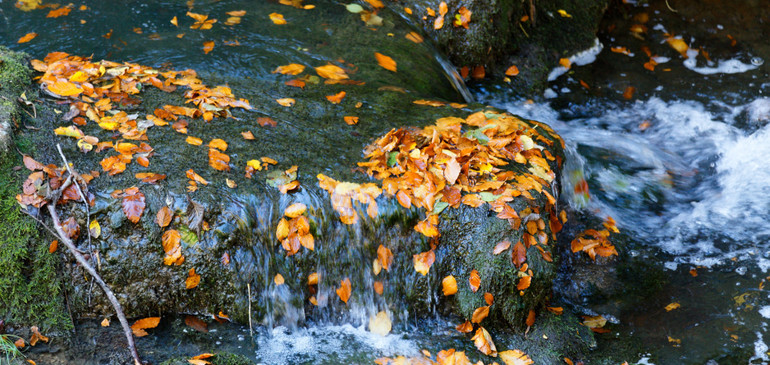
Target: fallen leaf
[290,69]
[531,318]
[501,246]
[350,120]
[36,336]
[515,357]
[198,325]
[278,279]
[105,322]
[208,46]
[27,37]
[277,18]
[519,254]
[380,324]
[449,285]
[414,37]
[385,61]
[336,98]
[63,11]
[95,229]
[141,325]
[483,342]
[163,217]
[465,327]
[385,257]
[344,290]
[475,281]
[672,306]
[133,204]
[479,314]
[295,210]
[331,72]
[423,262]
[192,280]
[512,71]
[286,101]
[524,282]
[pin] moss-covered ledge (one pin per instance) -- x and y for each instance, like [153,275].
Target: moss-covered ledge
[31,291]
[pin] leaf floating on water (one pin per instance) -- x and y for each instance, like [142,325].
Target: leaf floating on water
[449,285]
[198,325]
[385,257]
[475,281]
[141,325]
[385,61]
[414,37]
[195,141]
[295,210]
[344,290]
[63,11]
[672,306]
[380,324]
[27,37]
[290,69]
[202,22]
[484,343]
[192,280]
[277,18]
[515,357]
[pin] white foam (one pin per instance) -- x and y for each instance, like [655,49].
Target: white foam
[731,66]
[765,311]
[760,349]
[581,58]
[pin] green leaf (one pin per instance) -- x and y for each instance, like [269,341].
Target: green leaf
[439,206]
[488,197]
[188,236]
[354,8]
[392,159]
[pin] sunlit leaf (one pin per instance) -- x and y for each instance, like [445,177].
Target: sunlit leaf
[64,88]
[331,72]
[515,357]
[141,325]
[449,285]
[105,322]
[277,18]
[286,101]
[27,37]
[290,69]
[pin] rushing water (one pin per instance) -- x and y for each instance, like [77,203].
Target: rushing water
[682,166]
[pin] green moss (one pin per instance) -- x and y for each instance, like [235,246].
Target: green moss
[30,291]
[223,358]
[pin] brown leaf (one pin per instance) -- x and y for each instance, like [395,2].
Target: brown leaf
[452,171]
[266,122]
[163,218]
[518,254]
[31,164]
[489,298]
[530,318]
[133,204]
[196,324]
[524,282]
[465,327]
[208,46]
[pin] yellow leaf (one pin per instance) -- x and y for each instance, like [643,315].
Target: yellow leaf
[208,46]
[331,72]
[385,61]
[344,290]
[277,18]
[95,229]
[106,322]
[423,262]
[286,101]
[515,357]
[479,314]
[64,88]
[174,21]
[483,342]
[278,279]
[563,13]
[295,210]
[290,69]
[219,144]
[195,141]
[380,324]
[672,306]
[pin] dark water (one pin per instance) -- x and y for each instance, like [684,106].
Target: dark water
[682,165]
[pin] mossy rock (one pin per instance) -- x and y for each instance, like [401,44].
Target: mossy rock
[218,359]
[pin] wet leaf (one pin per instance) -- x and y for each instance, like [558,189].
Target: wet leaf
[36,336]
[192,280]
[484,343]
[290,69]
[295,210]
[350,120]
[195,177]
[195,141]
[95,229]
[53,246]
[385,257]
[198,325]
[515,357]
[519,254]
[174,21]
[336,98]
[530,318]
[414,37]
[354,8]
[163,217]
[295,83]
[474,280]
[489,298]
[452,171]
[479,314]
[27,37]
[267,121]
[141,325]
[465,327]
[501,246]
[423,261]
[555,310]
[378,287]
[331,72]
[64,88]
[290,186]
[449,285]
[133,204]
[288,102]
[385,61]
[563,13]
[208,46]
[524,282]
[380,324]
[344,290]
[278,279]
[277,18]
[63,11]
[31,164]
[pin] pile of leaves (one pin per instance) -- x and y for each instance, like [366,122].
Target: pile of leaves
[596,242]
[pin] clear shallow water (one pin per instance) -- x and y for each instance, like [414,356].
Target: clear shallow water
[683,166]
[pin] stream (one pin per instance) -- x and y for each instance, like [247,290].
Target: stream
[682,165]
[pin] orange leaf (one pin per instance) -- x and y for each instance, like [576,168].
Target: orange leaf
[286,101]
[195,177]
[403,199]
[465,327]
[139,326]
[27,37]
[200,326]
[515,357]
[629,92]
[192,280]
[449,285]
[163,218]
[519,254]
[474,281]
[267,121]
[247,135]
[385,256]
[483,342]
[452,171]
[344,290]
[385,61]
[530,318]
[478,72]
[64,88]
[378,287]
[336,98]
[331,72]
[501,246]
[489,298]
[170,240]
[350,120]
[295,210]
[208,46]
[295,83]
[524,282]
[414,37]
[479,314]
[423,261]
[278,279]
[290,69]
[285,188]
[64,11]
[277,18]
[218,160]
[218,144]
[195,141]
[512,71]
[53,246]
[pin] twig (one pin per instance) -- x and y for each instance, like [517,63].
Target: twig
[83,262]
[670,8]
[80,191]
[251,330]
